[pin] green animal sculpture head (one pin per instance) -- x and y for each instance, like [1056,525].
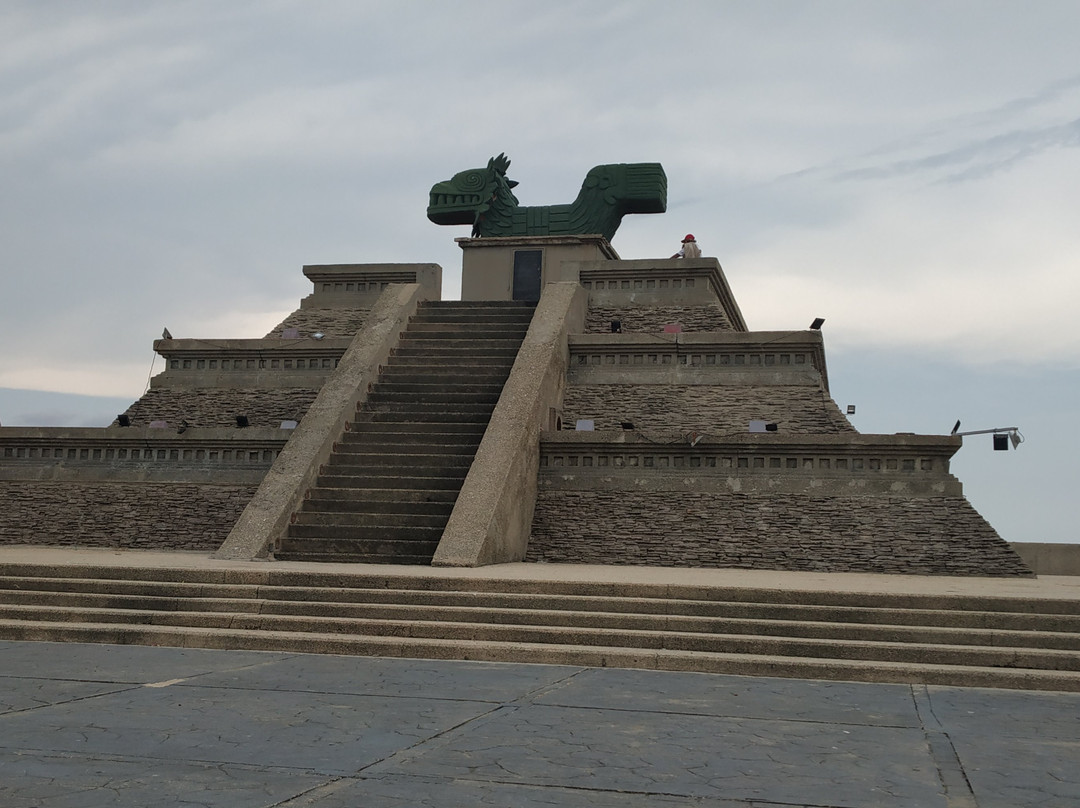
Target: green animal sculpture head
[483,198]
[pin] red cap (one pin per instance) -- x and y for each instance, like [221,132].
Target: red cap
[689,237]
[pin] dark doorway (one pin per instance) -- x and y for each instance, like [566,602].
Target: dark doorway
[527,265]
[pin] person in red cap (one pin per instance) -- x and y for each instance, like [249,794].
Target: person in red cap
[690,249]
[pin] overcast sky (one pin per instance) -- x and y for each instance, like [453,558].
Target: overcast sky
[907,170]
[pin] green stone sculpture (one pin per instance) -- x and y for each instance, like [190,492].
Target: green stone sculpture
[482,197]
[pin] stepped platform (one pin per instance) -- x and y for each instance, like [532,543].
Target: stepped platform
[1011,633]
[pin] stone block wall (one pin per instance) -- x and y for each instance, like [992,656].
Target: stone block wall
[332,322]
[784,531]
[215,407]
[652,319]
[127,515]
[713,410]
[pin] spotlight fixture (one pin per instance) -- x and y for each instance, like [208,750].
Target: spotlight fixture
[180,430]
[123,419]
[850,409]
[627,425]
[318,335]
[956,427]
[818,322]
[165,334]
[1003,436]
[242,421]
[771,427]
[616,326]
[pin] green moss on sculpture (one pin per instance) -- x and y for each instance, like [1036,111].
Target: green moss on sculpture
[482,197]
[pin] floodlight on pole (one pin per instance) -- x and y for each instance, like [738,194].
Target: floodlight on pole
[1003,436]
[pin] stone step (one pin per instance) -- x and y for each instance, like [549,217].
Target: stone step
[482,307]
[973,641]
[478,355]
[371,442]
[433,396]
[387,554]
[383,501]
[471,332]
[366,534]
[372,519]
[440,374]
[626,596]
[414,550]
[126,633]
[456,384]
[524,598]
[434,416]
[169,597]
[445,629]
[516,326]
[439,340]
[341,463]
[334,479]
[363,430]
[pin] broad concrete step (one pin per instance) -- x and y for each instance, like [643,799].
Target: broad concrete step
[370,442]
[636,625]
[384,533]
[431,415]
[340,462]
[371,520]
[385,394]
[380,502]
[425,366]
[416,482]
[420,385]
[362,430]
[463,334]
[488,351]
[461,324]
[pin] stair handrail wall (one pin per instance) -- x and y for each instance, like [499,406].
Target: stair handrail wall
[267,515]
[491,521]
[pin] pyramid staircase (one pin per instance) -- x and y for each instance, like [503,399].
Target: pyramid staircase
[951,639]
[390,485]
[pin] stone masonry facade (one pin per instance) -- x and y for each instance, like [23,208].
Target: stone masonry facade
[128,515]
[330,322]
[218,407]
[931,536]
[707,409]
[652,319]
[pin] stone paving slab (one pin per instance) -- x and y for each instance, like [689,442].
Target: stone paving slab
[135,664]
[495,682]
[119,726]
[738,697]
[50,780]
[688,756]
[333,734]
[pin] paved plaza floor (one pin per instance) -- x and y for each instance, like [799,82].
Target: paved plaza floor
[105,725]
